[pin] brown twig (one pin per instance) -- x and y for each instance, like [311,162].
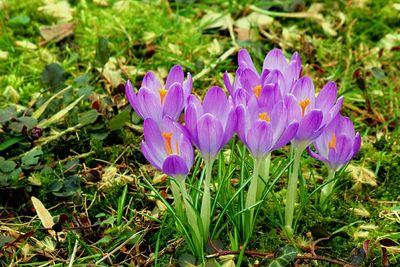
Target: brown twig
[269,255]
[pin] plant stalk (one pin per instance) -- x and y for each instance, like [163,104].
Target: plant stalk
[264,175]
[206,201]
[326,191]
[251,197]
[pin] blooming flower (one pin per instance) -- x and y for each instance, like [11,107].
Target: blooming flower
[167,147]
[312,113]
[154,100]
[211,124]
[276,71]
[264,129]
[337,144]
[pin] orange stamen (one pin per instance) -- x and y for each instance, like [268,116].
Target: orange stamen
[167,142]
[264,117]
[303,104]
[163,93]
[332,143]
[257,90]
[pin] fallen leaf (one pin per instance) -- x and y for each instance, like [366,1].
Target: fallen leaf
[56,32]
[361,211]
[362,175]
[26,44]
[213,20]
[43,214]
[60,10]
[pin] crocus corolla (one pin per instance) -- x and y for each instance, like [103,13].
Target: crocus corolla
[211,124]
[155,100]
[167,147]
[264,129]
[312,113]
[337,144]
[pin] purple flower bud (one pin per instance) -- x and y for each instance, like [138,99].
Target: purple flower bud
[337,144]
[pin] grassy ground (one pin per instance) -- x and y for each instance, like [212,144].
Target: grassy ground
[85,164]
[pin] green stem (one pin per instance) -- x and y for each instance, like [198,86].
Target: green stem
[327,189]
[291,194]
[206,202]
[177,199]
[264,175]
[251,198]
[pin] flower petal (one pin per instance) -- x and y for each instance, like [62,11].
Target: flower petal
[187,87]
[259,139]
[287,135]
[151,82]
[175,75]
[173,104]
[209,133]
[215,102]
[174,165]
[326,97]
[228,84]
[315,155]
[249,79]
[245,61]
[149,104]
[275,60]
[309,125]
[153,158]
[303,89]
[132,98]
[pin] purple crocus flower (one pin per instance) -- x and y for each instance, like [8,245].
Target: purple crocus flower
[211,124]
[312,113]
[264,129]
[337,144]
[276,71]
[154,100]
[167,147]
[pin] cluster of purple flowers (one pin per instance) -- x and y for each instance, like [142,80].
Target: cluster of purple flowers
[266,109]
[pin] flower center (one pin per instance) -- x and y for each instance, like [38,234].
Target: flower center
[257,90]
[264,117]
[303,105]
[163,93]
[167,142]
[332,143]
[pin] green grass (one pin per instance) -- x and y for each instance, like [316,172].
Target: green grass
[112,197]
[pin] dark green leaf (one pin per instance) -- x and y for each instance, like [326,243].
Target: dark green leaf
[102,51]
[100,135]
[357,256]
[29,122]
[187,260]
[20,20]
[88,117]
[53,75]
[7,165]
[31,158]
[378,73]
[55,186]
[118,121]
[8,114]
[135,118]
[284,257]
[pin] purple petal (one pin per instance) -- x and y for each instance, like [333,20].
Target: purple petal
[356,144]
[228,84]
[174,165]
[186,151]
[173,104]
[327,97]
[153,158]
[215,101]
[278,118]
[294,110]
[259,139]
[275,60]
[175,75]
[287,135]
[242,123]
[209,133]
[153,137]
[309,125]
[315,155]
[187,86]
[249,80]
[151,82]
[229,127]
[303,89]
[149,104]
[132,98]
[191,117]
[244,60]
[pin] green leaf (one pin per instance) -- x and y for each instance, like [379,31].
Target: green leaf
[20,20]
[378,73]
[7,165]
[27,121]
[5,239]
[118,121]
[10,142]
[43,107]
[31,158]
[88,117]
[284,257]
[102,51]
[8,114]
[53,75]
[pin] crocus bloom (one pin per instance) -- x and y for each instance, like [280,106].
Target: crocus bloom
[337,144]
[264,129]
[211,124]
[312,113]
[276,70]
[167,147]
[154,100]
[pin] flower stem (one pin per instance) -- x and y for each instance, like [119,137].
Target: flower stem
[264,175]
[206,201]
[177,199]
[291,194]
[251,198]
[327,189]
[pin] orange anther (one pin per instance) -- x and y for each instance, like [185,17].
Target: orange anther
[303,105]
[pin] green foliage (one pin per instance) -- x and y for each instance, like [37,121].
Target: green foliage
[285,256]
